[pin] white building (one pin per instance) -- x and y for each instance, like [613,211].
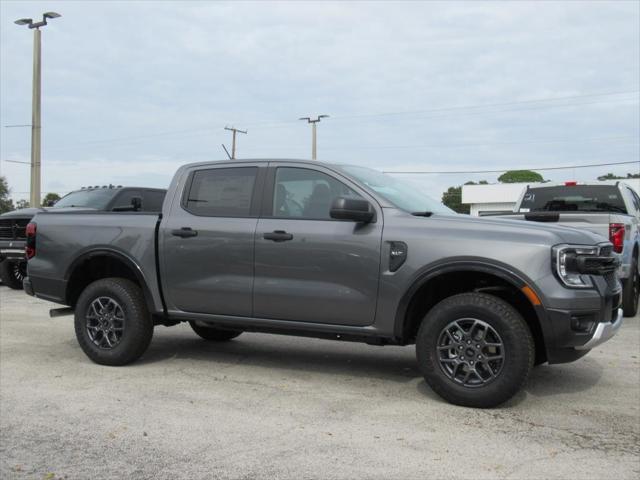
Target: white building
[502,197]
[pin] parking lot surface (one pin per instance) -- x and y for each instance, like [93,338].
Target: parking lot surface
[267,406]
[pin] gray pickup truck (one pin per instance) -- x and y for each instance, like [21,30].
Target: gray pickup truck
[611,210]
[337,252]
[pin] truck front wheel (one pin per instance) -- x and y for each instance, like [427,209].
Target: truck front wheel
[112,323]
[12,273]
[475,350]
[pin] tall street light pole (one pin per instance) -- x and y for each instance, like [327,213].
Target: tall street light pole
[34,199]
[313,123]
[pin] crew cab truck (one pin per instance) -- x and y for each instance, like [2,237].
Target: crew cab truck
[13,263]
[330,251]
[611,210]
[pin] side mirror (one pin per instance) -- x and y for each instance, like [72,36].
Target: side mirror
[50,203]
[136,203]
[355,209]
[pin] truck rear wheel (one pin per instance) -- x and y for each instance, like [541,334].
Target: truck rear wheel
[12,273]
[475,350]
[112,323]
[212,333]
[631,291]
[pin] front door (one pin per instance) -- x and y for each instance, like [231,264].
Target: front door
[310,267]
[207,242]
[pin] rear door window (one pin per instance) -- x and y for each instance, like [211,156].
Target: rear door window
[221,192]
[576,198]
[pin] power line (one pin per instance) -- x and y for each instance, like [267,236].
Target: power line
[489,105]
[272,124]
[505,169]
[467,145]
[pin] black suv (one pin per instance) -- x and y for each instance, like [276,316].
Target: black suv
[109,198]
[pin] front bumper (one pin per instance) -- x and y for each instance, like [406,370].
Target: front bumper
[603,332]
[575,321]
[13,249]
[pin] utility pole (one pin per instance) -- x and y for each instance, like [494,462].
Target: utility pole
[313,132]
[233,144]
[36,95]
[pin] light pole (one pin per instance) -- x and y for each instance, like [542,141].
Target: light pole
[35,103]
[313,132]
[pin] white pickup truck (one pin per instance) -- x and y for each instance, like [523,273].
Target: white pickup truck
[611,210]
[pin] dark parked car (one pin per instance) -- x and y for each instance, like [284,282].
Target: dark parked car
[337,252]
[108,198]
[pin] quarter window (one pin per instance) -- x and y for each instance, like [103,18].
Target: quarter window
[221,192]
[304,193]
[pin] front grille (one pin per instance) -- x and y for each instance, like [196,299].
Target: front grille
[13,229]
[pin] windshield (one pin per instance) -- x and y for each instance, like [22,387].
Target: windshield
[402,194]
[573,198]
[98,199]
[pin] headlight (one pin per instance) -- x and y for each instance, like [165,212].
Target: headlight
[565,265]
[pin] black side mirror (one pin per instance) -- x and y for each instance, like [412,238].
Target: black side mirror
[50,203]
[136,203]
[355,209]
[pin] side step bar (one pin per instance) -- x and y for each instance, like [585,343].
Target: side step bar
[60,312]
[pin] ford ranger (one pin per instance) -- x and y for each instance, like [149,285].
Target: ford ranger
[336,252]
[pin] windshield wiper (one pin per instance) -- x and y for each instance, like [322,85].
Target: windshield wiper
[421,214]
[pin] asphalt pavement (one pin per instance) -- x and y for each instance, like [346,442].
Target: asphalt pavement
[277,407]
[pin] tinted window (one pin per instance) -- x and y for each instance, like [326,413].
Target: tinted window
[635,199]
[152,200]
[221,192]
[124,199]
[304,193]
[577,198]
[98,198]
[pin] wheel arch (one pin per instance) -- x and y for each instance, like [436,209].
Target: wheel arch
[103,263]
[432,284]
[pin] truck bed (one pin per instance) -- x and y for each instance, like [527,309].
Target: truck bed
[63,236]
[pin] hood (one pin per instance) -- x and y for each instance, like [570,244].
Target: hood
[523,230]
[31,212]
[23,213]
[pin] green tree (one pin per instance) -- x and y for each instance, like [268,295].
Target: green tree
[22,204]
[520,176]
[611,176]
[6,204]
[49,199]
[452,198]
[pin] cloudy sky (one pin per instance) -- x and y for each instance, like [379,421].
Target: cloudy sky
[132,90]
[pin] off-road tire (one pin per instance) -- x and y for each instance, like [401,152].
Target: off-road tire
[138,324]
[631,291]
[214,334]
[515,335]
[12,273]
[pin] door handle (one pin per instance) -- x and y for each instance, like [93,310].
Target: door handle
[184,232]
[278,236]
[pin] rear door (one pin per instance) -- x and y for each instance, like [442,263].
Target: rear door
[310,267]
[207,241]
